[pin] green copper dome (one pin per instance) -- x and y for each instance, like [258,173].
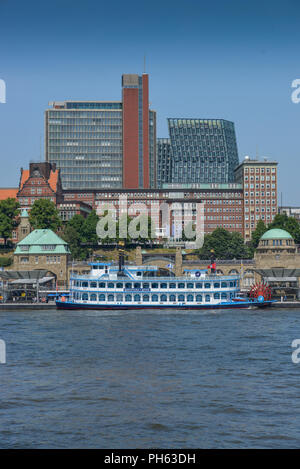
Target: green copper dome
[276,233]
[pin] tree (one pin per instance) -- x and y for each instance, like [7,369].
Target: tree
[289,224]
[9,209]
[260,229]
[74,240]
[74,235]
[89,226]
[226,245]
[44,215]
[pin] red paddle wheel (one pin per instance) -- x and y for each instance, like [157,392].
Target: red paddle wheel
[259,290]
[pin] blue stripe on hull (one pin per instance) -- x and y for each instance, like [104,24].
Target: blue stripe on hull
[234,305]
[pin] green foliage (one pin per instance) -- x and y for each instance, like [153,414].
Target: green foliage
[289,224]
[74,240]
[5,261]
[89,232]
[226,245]
[73,234]
[44,215]
[8,213]
[260,229]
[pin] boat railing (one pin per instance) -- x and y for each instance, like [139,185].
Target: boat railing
[158,279]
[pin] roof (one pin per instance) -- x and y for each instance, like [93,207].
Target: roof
[5,193]
[53,178]
[42,242]
[276,233]
[24,177]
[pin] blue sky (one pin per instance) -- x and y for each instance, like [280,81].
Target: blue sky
[224,59]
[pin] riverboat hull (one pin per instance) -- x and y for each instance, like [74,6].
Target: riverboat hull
[68,305]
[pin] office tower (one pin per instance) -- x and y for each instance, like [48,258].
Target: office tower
[138,133]
[104,144]
[203,150]
[259,179]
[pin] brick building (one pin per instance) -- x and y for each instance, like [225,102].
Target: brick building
[259,181]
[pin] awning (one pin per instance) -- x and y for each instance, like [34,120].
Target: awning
[32,281]
[23,274]
[279,274]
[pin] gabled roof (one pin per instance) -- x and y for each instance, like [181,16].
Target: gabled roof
[24,177]
[40,242]
[53,179]
[42,237]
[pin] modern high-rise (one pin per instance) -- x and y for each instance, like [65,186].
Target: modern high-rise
[164,161]
[201,151]
[104,144]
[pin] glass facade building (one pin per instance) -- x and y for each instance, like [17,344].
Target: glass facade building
[201,151]
[94,143]
[164,161]
[85,142]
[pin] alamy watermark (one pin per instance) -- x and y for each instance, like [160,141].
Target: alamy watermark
[295,96]
[296,345]
[2,352]
[151,220]
[2,91]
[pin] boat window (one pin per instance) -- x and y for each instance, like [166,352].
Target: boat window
[146,298]
[217,285]
[199,298]
[119,285]
[101,297]
[110,298]
[207,285]
[198,285]
[172,285]
[154,297]
[181,285]
[145,285]
[128,285]
[85,296]
[163,285]
[93,297]
[180,297]
[137,297]
[110,285]
[128,298]
[216,296]
[190,298]
[119,297]
[154,285]
[93,285]
[163,297]
[136,285]
[85,284]
[190,285]
[231,284]
[207,298]
[172,298]
[224,285]
[224,296]
[101,284]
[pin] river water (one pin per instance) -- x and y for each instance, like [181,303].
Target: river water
[215,379]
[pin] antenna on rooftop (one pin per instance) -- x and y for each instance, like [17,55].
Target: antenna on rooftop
[144,64]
